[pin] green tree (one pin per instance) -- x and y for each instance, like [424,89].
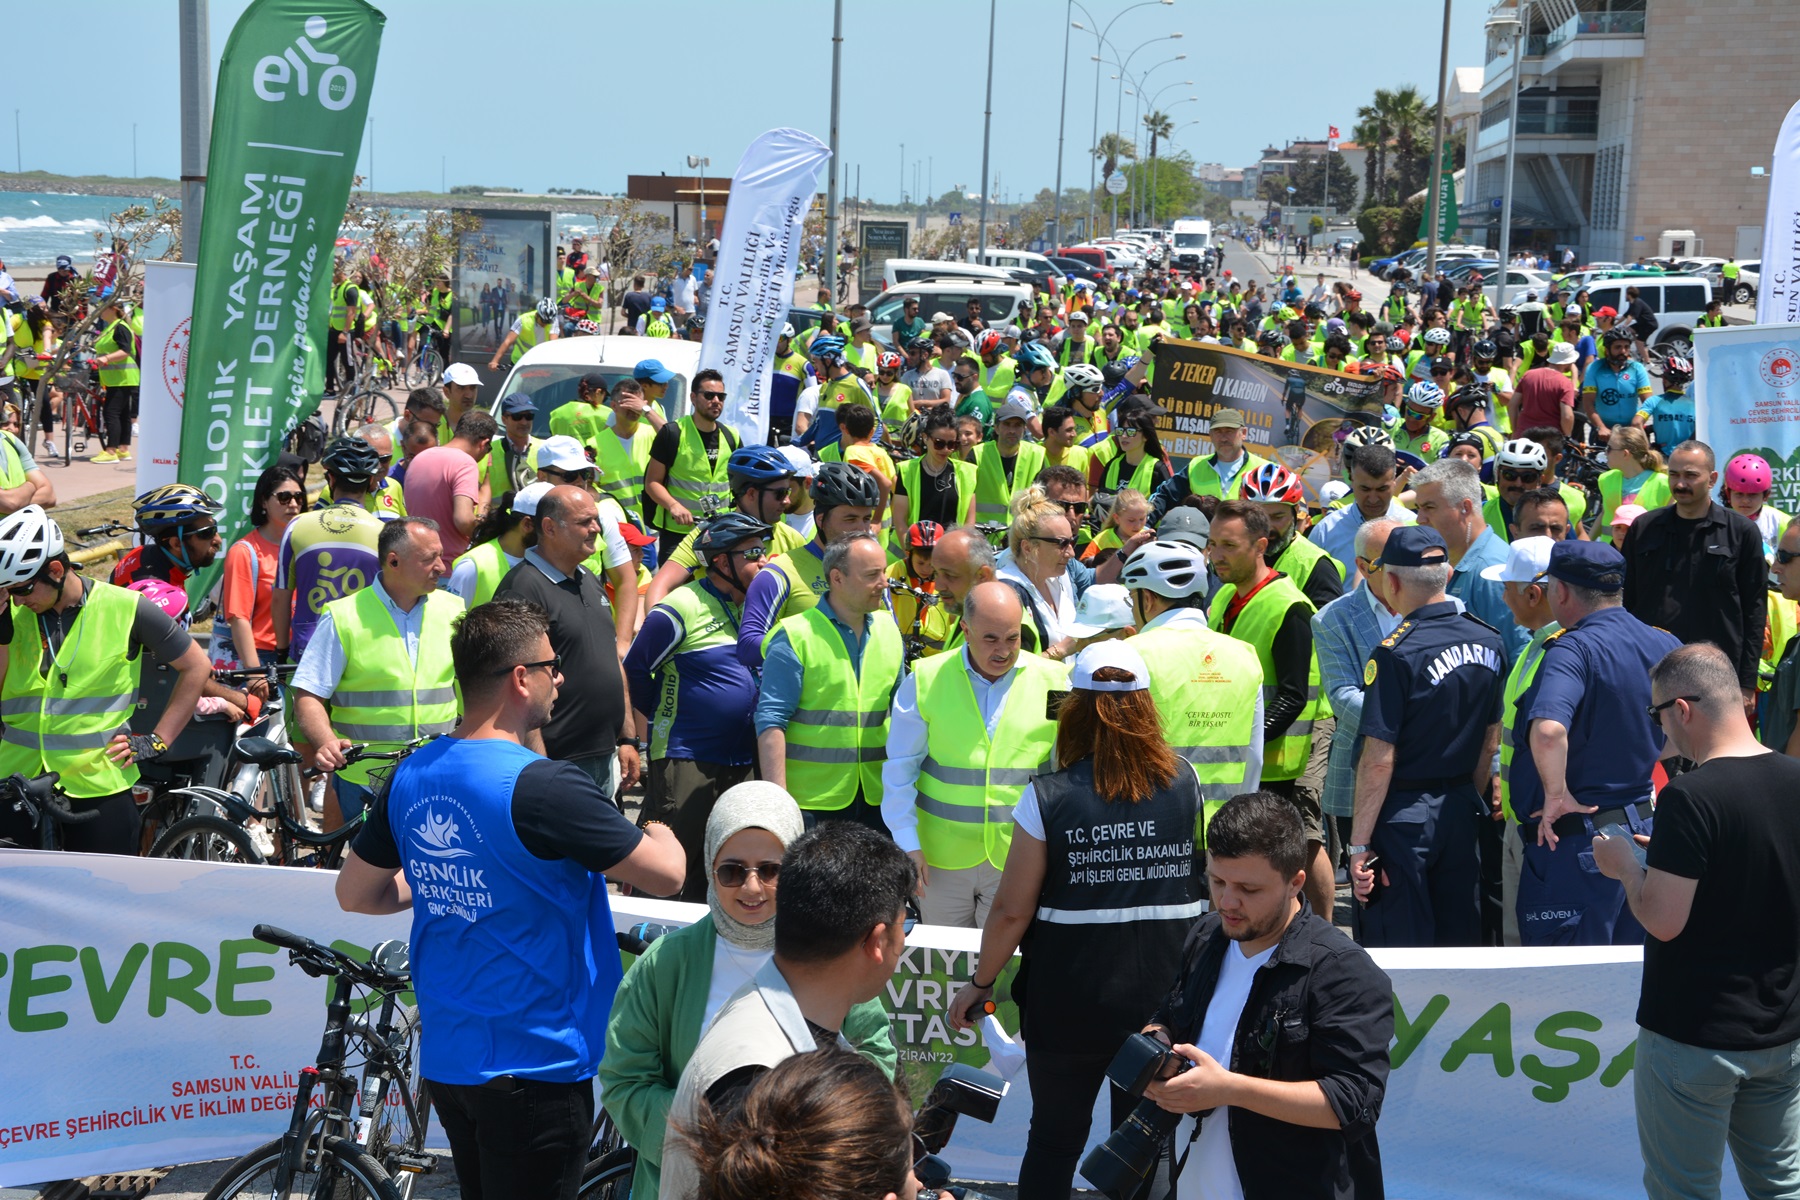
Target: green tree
[1308,178]
[1395,127]
[1113,149]
[1159,126]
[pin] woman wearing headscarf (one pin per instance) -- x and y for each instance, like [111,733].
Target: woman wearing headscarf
[674,989]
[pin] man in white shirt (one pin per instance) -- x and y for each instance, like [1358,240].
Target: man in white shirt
[1311,1052]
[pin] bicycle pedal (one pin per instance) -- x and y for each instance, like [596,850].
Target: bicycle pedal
[424,1164]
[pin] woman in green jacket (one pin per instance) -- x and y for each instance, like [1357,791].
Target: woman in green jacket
[671,992]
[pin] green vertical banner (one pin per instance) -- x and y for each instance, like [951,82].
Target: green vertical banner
[287,128]
[1443,202]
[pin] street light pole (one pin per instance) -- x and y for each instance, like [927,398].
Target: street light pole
[196,121]
[1099,42]
[1062,121]
[1512,145]
[987,125]
[902,174]
[831,187]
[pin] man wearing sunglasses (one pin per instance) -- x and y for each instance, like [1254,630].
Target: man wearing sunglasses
[1520,466]
[1591,751]
[690,691]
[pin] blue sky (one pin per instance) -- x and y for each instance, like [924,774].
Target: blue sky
[666,79]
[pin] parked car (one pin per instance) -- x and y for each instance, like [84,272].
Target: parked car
[1679,301]
[1076,268]
[550,372]
[999,302]
[1749,277]
[1094,256]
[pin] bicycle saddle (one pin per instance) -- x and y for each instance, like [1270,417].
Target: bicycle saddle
[263,753]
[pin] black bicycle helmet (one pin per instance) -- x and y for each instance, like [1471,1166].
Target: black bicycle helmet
[1464,439]
[838,484]
[722,533]
[1484,350]
[351,458]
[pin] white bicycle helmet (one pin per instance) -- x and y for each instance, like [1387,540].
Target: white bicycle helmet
[28,540]
[1171,569]
[546,309]
[1522,452]
[1437,337]
[1425,394]
[787,331]
[1368,435]
[1083,377]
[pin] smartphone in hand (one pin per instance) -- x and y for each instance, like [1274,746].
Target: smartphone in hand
[1638,851]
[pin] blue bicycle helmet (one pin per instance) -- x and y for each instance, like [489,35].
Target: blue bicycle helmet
[826,346]
[757,464]
[1033,357]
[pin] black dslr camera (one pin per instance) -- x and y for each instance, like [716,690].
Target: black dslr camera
[960,1091]
[1120,1166]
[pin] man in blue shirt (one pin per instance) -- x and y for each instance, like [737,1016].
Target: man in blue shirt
[1430,728]
[1591,751]
[1614,388]
[1373,472]
[513,952]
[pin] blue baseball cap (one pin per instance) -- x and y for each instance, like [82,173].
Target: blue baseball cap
[1414,546]
[518,402]
[658,304]
[652,371]
[1593,565]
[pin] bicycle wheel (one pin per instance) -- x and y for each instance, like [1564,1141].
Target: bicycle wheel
[393,1134]
[339,1172]
[431,366]
[607,1178]
[372,407]
[206,839]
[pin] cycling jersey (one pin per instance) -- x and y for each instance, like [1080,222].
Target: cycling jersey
[1617,394]
[1671,417]
[326,555]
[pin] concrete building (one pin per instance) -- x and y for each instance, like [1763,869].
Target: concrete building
[1637,119]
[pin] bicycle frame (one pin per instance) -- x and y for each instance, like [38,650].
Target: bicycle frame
[295,1143]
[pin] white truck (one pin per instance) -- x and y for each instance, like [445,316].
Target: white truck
[1193,239]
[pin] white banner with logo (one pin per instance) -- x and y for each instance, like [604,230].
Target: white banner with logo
[753,281]
[144,1027]
[168,316]
[1747,398]
[1778,287]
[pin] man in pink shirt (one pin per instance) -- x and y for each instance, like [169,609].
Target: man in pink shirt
[443,483]
[1546,395]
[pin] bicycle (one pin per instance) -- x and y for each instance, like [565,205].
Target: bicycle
[82,398]
[44,806]
[224,826]
[353,1144]
[913,641]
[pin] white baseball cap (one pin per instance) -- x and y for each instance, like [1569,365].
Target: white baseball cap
[525,500]
[1109,654]
[461,374]
[1528,560]
[1103,607]
[941,316]
[564,453]
[801,461]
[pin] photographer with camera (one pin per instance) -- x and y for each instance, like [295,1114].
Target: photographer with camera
[1275,1037]
[1122,794]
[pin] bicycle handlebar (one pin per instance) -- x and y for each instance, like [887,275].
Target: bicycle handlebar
[40,797]
[110,527]
[318,959]
[273,672]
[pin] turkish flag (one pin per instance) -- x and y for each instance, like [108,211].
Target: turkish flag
[1333,134]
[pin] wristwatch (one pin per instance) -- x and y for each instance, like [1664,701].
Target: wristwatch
[1355,850]
[642,747]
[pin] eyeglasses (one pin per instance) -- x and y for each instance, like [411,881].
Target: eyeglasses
[565,476]
[712,395]
[1128,433]
[1064,543]
[1655,711]
[736,874]
[1512,476]
[554,662]
[962,374]
[1076,507]
[913,916]
[288,497]
[936,444]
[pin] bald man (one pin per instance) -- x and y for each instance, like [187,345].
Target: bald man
[961,561]
[942,792]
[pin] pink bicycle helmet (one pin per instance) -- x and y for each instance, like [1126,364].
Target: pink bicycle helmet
[166,596]
[1748,473]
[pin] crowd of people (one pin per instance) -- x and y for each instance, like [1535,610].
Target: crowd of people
[971,649]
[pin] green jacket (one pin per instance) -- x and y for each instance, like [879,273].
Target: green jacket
[655,1025]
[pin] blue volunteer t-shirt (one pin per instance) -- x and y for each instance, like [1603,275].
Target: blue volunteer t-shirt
[1616,392]
[1672,417]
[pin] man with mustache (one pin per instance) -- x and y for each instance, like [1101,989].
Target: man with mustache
[1696,568]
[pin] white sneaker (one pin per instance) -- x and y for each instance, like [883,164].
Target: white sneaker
[315,795]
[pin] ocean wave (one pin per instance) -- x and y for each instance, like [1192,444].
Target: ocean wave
[50,225]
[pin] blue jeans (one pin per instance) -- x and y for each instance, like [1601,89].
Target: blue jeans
[353,798]
[1693,1102]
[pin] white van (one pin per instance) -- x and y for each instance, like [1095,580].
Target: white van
[1022,260]
[550,371]
[898,271]
[1193,239]
[1679,301]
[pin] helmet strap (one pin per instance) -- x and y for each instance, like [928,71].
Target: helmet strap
[180,556]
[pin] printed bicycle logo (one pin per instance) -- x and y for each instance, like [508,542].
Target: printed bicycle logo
[1778,367]
[337,83]
[438,837]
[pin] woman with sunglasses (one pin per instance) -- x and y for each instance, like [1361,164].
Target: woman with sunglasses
[893,399]
[244,634]
[1101,948]
[672,992]
[1140,463]
[1040,545]
[1635,474]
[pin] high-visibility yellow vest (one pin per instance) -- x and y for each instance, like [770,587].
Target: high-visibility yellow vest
[532,332]
[63,720]
[622,464]
[1204,479]
[659,325]
[912,476]
[1299,559]
[837,737]
[1141,475]
[1205,686]
[896,406]
[490,568]
[383,698]
[498,463]
[994,496]
[339,303]
[1573,498]
[804,569]
[12,467]
[693,477]
[996,380]
[969,782]
[123,374]
[1652,493]
[706,625]
[565,279]
[1285,757]
[1778,630]
[1524,670]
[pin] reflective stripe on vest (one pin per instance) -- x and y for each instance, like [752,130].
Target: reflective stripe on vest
[1205,686]
[706,625]
[693,477]
[622,464]
[993,495]
[1524,670]
[842,719]
[1285,757]
[123,374]
[88,696]
[338,303]
[968,784]
[382,698]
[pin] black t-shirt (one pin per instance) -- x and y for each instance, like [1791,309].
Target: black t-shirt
[1643,320]
[590,707]
[1730,980]
[557,811]
[937,499]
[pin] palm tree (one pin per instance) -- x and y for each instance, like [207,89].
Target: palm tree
[1113,148]
[1159,126]
[1410,119]
[1375,132]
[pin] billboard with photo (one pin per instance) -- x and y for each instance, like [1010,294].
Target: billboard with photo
[503,268]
